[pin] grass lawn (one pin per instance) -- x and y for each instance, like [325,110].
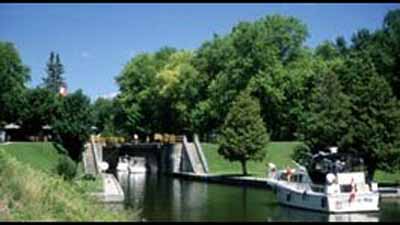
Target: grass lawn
[44,156]
[39,155]
[278,153]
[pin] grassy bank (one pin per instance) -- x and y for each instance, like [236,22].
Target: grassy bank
[30,189]
[40,155]
[278,153]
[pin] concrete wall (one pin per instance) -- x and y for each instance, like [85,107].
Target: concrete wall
[171,155]
[186,164]
[171,158]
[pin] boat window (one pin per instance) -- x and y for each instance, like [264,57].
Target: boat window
[345,188]
[316,188]
[294,178]
[298,178]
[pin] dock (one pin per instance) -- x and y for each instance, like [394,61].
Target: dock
[389,192]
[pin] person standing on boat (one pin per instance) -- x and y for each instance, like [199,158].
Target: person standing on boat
[289,173]
[271,170]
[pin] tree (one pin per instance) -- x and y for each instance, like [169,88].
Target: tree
[178,92]
[138,95]
[158,92]
[43,109]
[359,115]
[388,50]
[54,70]
[260,51]
[243,136]
[327,50]
[325,123]
[383,46]
[13,76]
[374,126]
[73,125]
[108,116]
[341,45]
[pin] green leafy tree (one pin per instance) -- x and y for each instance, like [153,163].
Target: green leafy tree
[109,117]
[386,50]
[43,109]
[158,92]
[259,51]
[73,124]
[341,45]
[374,129]
[138,95]
[178,92]
[326,121]
[54,70]
[243,135]
[360,115]
[13,76]
[327,50]
[383,47]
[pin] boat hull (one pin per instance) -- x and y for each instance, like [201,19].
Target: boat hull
[339,203]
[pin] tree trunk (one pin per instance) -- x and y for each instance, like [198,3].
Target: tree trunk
[244,167]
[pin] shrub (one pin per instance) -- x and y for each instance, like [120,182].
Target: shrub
[66,168]
[301,154]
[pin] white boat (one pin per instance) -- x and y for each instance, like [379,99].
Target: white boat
[122,164]
[137,165]
[328,185]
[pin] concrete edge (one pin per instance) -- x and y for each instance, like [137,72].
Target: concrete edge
[230,180]
[105,197]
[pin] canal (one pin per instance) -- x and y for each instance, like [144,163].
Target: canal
[164,198]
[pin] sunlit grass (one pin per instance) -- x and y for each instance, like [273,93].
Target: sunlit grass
[39,155]
[276,152]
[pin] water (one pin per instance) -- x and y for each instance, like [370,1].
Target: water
[163,198]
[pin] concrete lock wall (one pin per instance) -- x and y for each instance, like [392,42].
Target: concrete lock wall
[170,158]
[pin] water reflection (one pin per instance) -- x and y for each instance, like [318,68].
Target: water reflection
[293,214]
[133,185]
[162,198]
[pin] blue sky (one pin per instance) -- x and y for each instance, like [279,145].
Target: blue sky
[95,41]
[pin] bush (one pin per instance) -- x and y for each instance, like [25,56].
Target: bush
[66,168]
[301,154]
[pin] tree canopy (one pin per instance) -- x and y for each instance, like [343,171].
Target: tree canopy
[13,77]
[74,122]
